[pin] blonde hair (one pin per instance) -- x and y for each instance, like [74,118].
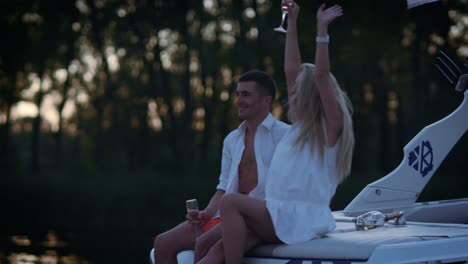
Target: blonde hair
[307,109]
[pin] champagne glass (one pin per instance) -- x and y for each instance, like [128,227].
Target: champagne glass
[284,14]
[192,206]
[192,209]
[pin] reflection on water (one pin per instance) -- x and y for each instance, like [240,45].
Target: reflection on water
[20,240]
[26,251]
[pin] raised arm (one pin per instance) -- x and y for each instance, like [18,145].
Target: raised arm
[292,60]
[333,115]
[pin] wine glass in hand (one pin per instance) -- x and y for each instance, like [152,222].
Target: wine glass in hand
[284,14]
[192,210]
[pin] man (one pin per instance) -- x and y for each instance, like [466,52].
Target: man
[246,157]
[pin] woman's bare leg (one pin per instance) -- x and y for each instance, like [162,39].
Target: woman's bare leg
[206,241]
[216,253]
[240,213]
[168,244]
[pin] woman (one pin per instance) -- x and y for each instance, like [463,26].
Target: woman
[309,162]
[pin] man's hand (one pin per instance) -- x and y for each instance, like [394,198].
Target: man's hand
[197,218]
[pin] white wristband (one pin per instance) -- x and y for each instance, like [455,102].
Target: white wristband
[322,39]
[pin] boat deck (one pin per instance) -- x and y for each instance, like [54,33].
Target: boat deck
[346,243]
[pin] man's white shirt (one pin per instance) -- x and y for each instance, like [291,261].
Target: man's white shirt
[267,137]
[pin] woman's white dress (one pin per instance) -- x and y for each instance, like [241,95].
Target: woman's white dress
[299,188]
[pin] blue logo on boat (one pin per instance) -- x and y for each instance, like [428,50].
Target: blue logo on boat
[421,158]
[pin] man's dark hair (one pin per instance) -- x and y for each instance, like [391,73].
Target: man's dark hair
[264,83]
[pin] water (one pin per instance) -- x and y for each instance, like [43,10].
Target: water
[22,249]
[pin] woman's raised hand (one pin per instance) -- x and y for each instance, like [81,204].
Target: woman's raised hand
[292,8]
[326,15]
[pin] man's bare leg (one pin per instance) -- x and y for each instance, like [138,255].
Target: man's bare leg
[168,244]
